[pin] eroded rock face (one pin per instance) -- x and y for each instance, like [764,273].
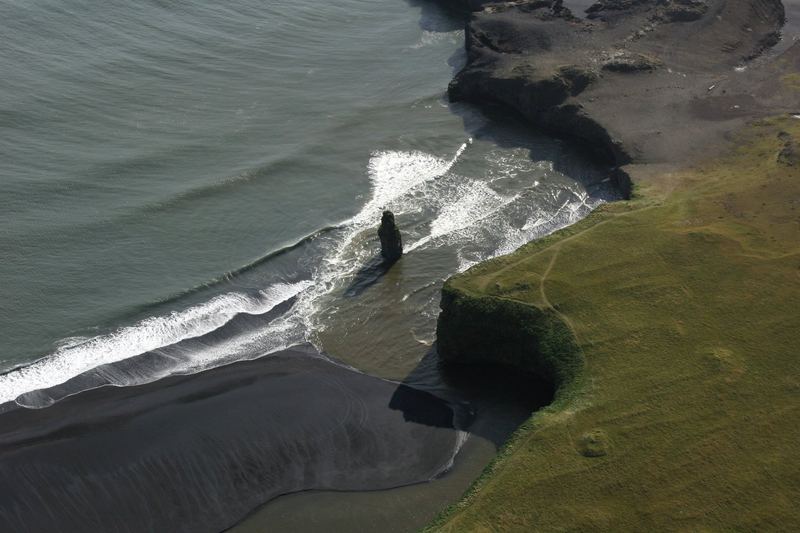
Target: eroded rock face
[658,60]
[484,329]
[683,10]
[603,7]
[391,242]
[623,61]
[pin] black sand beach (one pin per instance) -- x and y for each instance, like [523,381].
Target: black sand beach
[197,453]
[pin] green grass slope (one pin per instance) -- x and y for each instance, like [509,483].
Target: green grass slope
[685,304]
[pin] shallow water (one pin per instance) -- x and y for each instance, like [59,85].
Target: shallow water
[159,158]
[187,186]
[791,30]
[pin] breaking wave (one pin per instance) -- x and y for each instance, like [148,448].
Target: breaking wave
[478,217]
[80,354]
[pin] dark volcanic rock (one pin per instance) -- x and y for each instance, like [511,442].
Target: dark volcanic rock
[627,62]
[391,242]
[562,73]
[578,78]
[603,8]
[683,10]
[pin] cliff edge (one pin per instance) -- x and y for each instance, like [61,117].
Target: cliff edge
[634,81]
[667,321]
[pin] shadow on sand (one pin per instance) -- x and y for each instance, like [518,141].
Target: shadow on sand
[367,276]
[488,401]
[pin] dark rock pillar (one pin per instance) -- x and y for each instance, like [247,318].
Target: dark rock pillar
[391,243]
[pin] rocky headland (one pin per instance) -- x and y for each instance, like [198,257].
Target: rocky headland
[647,86]
[634,81]
[664,321]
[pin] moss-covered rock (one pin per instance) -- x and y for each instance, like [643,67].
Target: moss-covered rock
[476,329]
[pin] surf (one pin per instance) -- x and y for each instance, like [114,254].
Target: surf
[81,355]
[444,206]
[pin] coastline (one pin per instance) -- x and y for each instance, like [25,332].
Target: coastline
[656,276]
[230,435]
[99,404]
[659,321]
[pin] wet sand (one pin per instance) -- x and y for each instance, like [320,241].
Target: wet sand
[397,510]
[198,453]
[497,402]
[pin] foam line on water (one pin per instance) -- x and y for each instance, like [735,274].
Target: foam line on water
[428,38]
[232,274]
[461,439]
[393,175]
[538,225]
[75,358]
[476,202]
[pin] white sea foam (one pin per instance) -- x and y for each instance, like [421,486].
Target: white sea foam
[73,358]
[461,439]
[475,201]
[543,217]
[468,213]
[394,176]
[428,38]
[280,334]
[543,223]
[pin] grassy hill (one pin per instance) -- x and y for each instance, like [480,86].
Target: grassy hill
[679,399]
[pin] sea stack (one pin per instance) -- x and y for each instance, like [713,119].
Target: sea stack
[391,243]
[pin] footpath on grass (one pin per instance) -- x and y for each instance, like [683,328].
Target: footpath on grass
[668,323]
[678,402]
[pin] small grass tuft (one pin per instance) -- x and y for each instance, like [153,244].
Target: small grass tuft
[593,443]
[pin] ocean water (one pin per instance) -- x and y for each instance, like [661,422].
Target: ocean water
[190,184]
